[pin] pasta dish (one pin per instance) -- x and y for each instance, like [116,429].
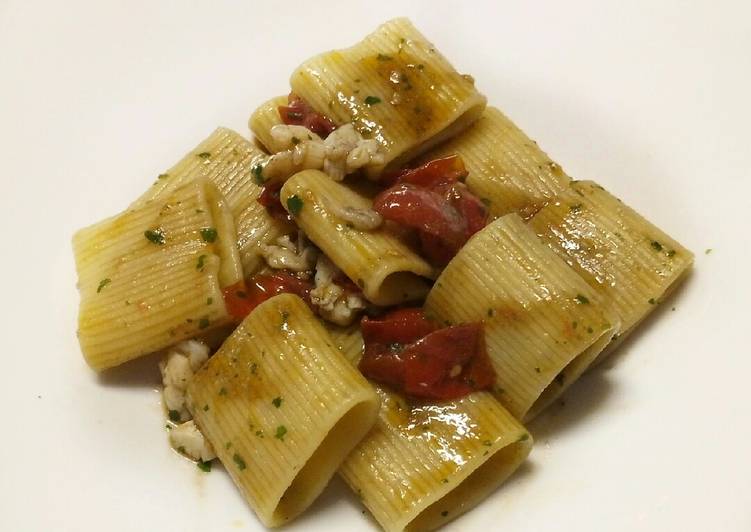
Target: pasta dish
[387,282]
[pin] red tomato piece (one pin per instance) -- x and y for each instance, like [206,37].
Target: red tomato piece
[300,113]
[270,199]
[241,299]
[409,353]
[427,211]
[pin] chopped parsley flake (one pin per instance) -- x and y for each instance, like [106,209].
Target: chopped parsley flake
[174,415]
[203,323]
[652,301]
[281,430]
[204,155]
[223,391]
[277,401]
[162,176]
[200,263]
[155,236]
[372,100]
[208,234]
[239,461]
[523,437]
[102,284]
[204,466]
[384,57]
[656,245]
[487,443]
[209,301]
[295,141]
[575,208]
[671,253]
[708,251]
[257,172]
[205,408]
[294,205]
[582,300]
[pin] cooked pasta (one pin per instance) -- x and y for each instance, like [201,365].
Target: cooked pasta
[281,407]
[153,275]
[387,271]
[263,119]
[395,87]
[228,161]
[543,324]
[506,168]
[632,264]
[424,465]
[393,276]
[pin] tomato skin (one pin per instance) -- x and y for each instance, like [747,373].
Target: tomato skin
[271,199]
[406,351]
[299,113]
[242,298]
[432,200]
[422,209]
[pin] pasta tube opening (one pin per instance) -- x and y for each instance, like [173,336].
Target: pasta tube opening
[387,271]
[478,485]
[281,407]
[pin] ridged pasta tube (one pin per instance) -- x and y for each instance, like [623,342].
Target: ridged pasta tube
[628,261]
[543,324]
[387,271]
[395,87]
[506,168]
[282,407]
[227,160]
[153,275]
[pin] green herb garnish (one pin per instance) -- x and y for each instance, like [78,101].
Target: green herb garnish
[204,155]
[281,430]
[239,461]
[204,466]
[208,234]
[277,401]
[203,323]
[174,415]
[372,100]
[102,284]
[155,236]
[582,300]
[294,205]
[257,172]
[656,245]
[201,260]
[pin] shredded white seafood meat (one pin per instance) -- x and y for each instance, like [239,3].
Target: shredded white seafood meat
[333,303]
[284,254]
[187,439]
[362,219]
[341,153]
[177,369]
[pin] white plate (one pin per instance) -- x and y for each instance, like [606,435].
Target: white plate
[651,99]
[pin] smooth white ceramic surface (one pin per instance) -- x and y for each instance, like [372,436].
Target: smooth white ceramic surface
[651,99]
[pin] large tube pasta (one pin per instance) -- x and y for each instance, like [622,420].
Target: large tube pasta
[386,269]
[543,324]
[264,118]
[395,87]
[282,407]
[631,263]
[423,465]
[227,160]
[506,168]
[153,275]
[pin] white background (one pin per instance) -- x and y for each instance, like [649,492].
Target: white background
[649,98]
